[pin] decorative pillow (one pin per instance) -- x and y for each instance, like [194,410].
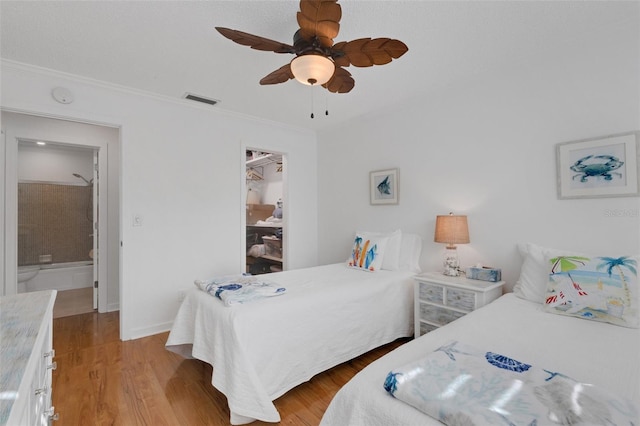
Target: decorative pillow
[367,252]
[391,258]
[596,288]
[534,274]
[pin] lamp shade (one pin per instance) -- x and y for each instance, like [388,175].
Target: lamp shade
[451,229]
[312,69]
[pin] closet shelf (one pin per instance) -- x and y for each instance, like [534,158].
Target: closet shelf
[273,258]
[264,160]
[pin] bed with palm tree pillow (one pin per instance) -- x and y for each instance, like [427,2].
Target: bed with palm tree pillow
[597,288]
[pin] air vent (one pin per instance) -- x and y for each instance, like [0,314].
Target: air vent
[202,99]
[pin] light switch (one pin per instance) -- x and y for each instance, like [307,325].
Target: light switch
[137,220]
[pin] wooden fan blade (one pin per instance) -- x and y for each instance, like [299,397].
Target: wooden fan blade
[254,41]
[341,82]
[320,19]
[280,75]
[365,52]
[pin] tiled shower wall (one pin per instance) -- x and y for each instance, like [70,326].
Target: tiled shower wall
[54,220]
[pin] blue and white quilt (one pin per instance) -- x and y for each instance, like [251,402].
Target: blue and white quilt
[461,385]
[237,289]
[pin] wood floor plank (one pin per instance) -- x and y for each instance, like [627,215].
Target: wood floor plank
[101,380]
[73,302]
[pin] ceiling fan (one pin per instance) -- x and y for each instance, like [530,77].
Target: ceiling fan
[318,60]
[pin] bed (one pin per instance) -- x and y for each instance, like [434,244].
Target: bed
[329,314]
[523,327]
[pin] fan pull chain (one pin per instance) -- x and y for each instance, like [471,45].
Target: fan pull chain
[312,116]
[326,103]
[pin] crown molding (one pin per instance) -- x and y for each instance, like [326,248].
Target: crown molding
[48,72]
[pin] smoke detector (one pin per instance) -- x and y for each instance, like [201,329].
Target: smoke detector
[62,95]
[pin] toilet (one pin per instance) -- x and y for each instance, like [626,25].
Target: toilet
[25,274]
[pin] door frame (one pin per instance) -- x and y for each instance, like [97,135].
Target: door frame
[243,202]
[95,229]
[11,202]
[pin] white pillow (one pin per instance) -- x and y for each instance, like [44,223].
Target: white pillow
[367,252]
[534,274]
[391,260]
[410,250]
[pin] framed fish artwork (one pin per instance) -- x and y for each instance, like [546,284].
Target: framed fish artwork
[384,186]
[600,167]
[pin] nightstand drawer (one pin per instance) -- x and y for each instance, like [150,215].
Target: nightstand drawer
[425,328]
[438,315]
[461,299]
[431,293]
[440,299]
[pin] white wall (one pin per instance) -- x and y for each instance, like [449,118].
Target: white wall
[487,150]
[51,163]
[182,167]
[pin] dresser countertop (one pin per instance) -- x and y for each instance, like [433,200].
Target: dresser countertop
[22,317]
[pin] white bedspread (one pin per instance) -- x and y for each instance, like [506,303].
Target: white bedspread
[260,350]
[598,353]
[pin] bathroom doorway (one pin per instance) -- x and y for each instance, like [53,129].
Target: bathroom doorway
[98,201]
[57,223]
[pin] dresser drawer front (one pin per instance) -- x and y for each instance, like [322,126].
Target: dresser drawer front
[461,299]
[431,293]
[438,315]
[425,328]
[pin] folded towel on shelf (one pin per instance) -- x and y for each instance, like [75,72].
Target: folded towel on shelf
[236,289]
[459,384]
[270,221]
[256,250]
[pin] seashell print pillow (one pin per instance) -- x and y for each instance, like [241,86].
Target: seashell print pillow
[367,252]
[597,288]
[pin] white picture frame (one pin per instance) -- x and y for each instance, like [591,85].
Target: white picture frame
[383,186]
[599,167]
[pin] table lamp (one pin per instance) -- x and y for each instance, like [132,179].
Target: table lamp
[451,230]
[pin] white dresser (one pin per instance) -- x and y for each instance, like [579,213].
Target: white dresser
[26,358]
[440,299]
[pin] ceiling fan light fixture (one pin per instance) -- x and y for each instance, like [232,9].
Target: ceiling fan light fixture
[312,69]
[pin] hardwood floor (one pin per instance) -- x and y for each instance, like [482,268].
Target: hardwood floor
[73,302]
[101,380]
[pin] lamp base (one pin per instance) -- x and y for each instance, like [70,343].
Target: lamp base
[451,263]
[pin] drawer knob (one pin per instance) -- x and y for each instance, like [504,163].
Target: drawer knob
[51,353]
[52,366]
[53,416]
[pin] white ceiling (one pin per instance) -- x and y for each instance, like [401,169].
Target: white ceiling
[171,47]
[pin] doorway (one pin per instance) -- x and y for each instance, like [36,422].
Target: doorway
[57,223]
[265,229]
[102,145]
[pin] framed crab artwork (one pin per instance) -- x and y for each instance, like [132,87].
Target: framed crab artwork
[599,167]
[383,186]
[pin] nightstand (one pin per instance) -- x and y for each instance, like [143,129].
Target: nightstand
[440,299]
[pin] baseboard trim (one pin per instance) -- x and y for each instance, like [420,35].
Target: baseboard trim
[138,333]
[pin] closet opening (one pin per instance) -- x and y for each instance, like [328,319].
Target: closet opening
[265,219]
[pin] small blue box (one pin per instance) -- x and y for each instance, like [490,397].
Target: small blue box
[484,274]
